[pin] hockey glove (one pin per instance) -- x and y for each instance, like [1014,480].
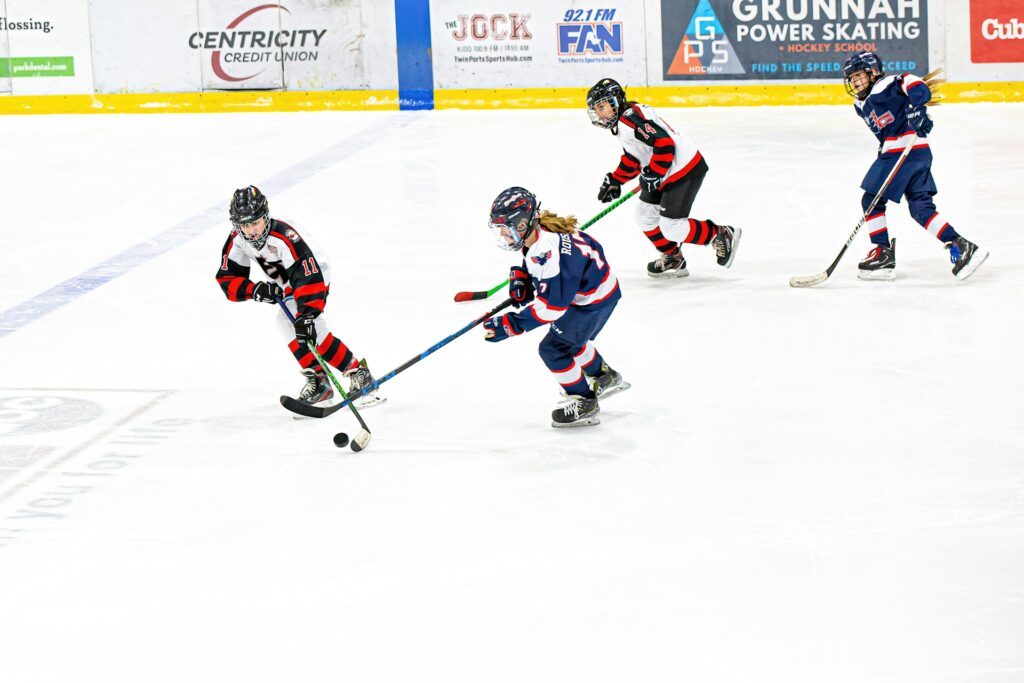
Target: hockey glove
[305,329]
[610,189]
[919,120]
[650,181]
[520,286]
[499,329]
[267,292]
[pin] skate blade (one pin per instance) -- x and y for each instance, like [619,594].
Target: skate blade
[883,275]
[735,243]
[586,422]
[678,272]
[976,261]
[617,389]
[369,401]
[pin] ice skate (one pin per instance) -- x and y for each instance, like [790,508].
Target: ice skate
[360,377]
[608,383]
[879,264]
[966,257]
[576,412]
[668,265]
[725,244]
[317,390]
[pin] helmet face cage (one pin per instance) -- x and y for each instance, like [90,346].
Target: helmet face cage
[248,205]
[512,217]
[870,64]
[608,91]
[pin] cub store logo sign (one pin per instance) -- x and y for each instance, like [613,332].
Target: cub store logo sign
[997,31]
[589,32]
[245,41]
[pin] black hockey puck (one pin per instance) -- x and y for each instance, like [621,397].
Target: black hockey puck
[341,439]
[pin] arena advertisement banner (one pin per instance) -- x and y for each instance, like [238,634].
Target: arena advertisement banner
[299,44]
[48,51]
[710,40]
[535,43]
[997,31]
[5,52]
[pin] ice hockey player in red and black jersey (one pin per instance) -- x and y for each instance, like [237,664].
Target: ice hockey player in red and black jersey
[671,171]
[300,277]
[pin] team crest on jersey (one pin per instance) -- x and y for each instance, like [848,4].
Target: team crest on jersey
[292,235]
[541,259]
[882,121]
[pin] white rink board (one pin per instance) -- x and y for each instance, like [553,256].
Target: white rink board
[64,34]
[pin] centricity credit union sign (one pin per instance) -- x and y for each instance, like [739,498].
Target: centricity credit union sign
[251,46]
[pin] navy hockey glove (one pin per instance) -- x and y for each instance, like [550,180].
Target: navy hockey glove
[919,120]
[267,292]
[650,181]
[520,286]
[499,329]
[610,189]
[305,329]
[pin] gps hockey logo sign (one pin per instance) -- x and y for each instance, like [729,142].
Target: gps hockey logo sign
[589,32]
[997,31]
[240,42]
[705,48]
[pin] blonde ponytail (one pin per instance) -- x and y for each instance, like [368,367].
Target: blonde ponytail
[934,83]
[552,222]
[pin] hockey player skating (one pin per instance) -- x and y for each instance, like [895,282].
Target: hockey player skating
[572,289]
[894,109]
[671,171]
[299,274]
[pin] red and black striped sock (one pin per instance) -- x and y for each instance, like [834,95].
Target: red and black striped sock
[660,242]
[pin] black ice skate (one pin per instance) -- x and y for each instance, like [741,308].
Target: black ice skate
[577,412]
[668,265]
[317,389]
[608,383]
[879,264]
[966,257]
[360,377]
[725,243]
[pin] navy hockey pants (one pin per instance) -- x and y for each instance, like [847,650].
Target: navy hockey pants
[568,351]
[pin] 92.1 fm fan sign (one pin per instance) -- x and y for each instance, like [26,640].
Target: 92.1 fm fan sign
[788,39]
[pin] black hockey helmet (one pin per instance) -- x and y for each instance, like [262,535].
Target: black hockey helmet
[606,90]
[869,63]
[513,217]
[248,205]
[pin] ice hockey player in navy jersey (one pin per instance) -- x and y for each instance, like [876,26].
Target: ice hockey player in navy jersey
[298,276]
[894,108]
[566,283]
[671,171]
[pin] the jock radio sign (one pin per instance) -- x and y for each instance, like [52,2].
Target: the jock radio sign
[789,39]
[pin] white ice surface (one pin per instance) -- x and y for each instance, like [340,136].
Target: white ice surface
[821,485]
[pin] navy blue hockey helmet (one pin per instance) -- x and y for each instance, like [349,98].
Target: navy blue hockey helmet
[513,216]
[869,63]
[606,90]
[248,205]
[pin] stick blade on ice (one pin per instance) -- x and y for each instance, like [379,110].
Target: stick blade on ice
[809,281]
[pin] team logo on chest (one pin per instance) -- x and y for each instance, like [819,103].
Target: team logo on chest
[882,121]
[541,259]
[292,235]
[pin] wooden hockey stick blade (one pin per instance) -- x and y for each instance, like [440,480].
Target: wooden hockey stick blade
[306,410]
[470,296]
[809,281]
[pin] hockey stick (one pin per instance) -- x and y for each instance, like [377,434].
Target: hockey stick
[362,439]
[476,296]
[812,280]
[317,411]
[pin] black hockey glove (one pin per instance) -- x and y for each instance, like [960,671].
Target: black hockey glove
[610,189]
[267,292]
[305,329]
[650,181]
[520,286]
[919,120]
